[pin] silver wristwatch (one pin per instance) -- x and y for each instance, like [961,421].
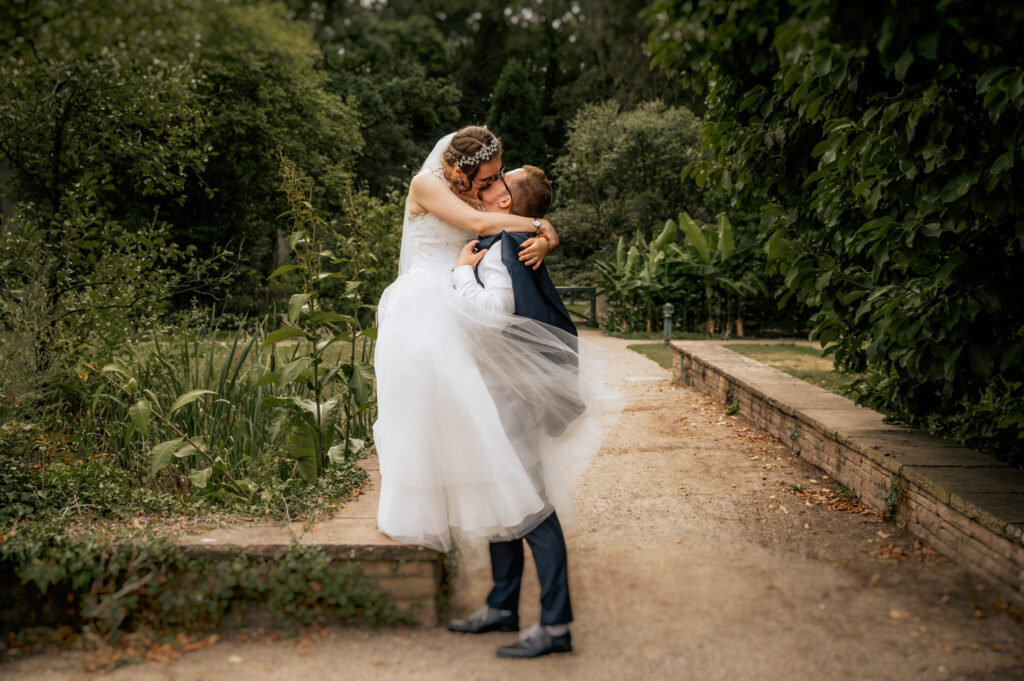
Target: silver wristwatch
[537,223]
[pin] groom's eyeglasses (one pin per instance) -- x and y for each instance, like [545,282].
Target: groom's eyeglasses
[488,181]
[501,176]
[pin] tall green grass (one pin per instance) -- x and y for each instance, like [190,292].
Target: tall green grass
[233,420]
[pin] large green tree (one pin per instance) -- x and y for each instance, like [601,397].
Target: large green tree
[418,69]
[515,111]
[261,80]
[98,128]
[884,145]
[619,177]
[397,69]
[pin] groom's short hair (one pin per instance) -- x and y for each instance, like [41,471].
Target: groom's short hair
[531,196]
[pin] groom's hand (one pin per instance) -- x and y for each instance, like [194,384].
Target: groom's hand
[469,255]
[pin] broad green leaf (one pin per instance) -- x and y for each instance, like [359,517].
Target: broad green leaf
[188,449]
[295,305]
[1002,164]
[959,185]
[189,397]
[726,237]
[162,454]
[290,371]
[981,361]
[361,381]
[695,237]
[928,46]
[199,478]
[282,270]
[332,318]
[991,75]
[266,379]
[282,334]
[300,441]
[902,64]
[777,245]
[667,236]
[1012,356]
[139,414]
[115,368]
[274,401]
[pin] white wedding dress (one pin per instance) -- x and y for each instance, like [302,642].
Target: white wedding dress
[477,432]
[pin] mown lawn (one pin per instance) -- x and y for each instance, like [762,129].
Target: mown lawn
[659,352]
[805,363]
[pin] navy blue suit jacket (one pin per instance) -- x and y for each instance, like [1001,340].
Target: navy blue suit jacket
[535,293]
[536,298]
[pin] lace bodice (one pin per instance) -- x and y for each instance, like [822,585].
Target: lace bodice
[429,243]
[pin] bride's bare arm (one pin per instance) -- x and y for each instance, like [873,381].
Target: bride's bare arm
[428,194]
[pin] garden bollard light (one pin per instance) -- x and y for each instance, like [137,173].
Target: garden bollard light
[668,310]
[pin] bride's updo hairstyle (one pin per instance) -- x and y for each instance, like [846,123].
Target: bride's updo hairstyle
[470,147]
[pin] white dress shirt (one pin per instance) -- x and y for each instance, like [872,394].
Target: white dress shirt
[496,294]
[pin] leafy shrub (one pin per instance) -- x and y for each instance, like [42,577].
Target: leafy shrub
[120,580]
[515,111]
[707,279]
[339,395]
[261,80]
[97,129]
[620,177]
[881,145]
[366,241]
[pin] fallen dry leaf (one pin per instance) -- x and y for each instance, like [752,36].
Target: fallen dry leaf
[903,616]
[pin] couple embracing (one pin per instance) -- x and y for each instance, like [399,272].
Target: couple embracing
[488,406]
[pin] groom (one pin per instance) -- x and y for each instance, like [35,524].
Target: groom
[490,275]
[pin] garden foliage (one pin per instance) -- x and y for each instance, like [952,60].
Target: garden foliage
[707,278]
[124,580]
[619,177]
[515,110]
[416,70]
[883,144]
[97,130]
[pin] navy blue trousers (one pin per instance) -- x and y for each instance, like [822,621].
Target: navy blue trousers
[548,547]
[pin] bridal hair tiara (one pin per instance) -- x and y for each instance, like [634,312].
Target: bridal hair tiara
[484,153]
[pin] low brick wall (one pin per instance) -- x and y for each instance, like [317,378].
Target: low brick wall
[413,576]
[967,505]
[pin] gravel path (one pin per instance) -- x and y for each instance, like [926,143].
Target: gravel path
[695,559]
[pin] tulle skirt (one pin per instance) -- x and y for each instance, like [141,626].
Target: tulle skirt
[485,420]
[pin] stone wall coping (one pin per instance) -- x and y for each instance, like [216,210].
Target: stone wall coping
[351,534]
[979,486]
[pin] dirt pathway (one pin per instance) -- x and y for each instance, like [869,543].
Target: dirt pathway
[695,558]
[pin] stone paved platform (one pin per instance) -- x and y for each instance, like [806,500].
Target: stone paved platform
[412,575]
[967,505]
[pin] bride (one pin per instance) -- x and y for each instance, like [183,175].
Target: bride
[467,399]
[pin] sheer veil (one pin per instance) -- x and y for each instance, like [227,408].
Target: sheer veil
[434,160]
[485,420]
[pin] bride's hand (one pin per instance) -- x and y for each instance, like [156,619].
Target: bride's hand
[533,251]
[548,230]
[470,256]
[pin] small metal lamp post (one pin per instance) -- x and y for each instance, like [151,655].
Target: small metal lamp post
[668,309]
